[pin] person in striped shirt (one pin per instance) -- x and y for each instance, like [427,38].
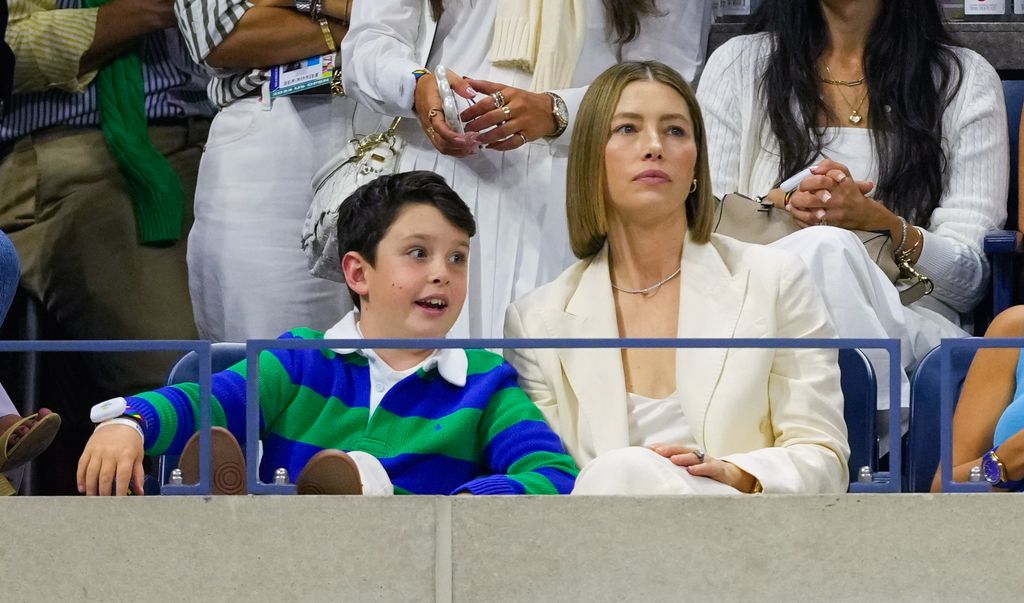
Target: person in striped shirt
[253,283]
[421,421]
[99,150]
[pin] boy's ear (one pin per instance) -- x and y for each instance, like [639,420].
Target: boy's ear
[354,266]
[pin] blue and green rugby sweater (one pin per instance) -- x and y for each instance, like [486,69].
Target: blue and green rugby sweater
[431,436]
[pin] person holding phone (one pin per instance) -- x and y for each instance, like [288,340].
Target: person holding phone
[905,133]
[518,111]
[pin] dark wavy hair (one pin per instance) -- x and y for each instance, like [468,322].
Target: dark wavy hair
[623,16]
[366,215]
[912,75]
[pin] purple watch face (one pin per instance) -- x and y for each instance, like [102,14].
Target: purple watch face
[990,468]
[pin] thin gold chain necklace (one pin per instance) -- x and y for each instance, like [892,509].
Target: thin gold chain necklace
[855,117]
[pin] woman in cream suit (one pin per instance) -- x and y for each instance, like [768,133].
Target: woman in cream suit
[675,421]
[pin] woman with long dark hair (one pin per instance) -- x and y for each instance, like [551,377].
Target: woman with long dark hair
[528,63]
[905,132]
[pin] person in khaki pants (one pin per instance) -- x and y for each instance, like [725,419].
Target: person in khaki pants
[99,150]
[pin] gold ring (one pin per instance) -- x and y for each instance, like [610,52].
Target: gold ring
[430,131]
[499,99]
[507,111]
[523,136]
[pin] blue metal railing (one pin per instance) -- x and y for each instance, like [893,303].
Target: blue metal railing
[883,481]
[202,350]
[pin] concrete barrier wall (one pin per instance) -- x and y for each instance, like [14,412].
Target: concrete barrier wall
[766,548]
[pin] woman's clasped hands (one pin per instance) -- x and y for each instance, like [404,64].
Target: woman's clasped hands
[699,464]
[503,119]
[831,197]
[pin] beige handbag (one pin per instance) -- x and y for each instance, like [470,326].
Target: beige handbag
[756,221]
[362,160]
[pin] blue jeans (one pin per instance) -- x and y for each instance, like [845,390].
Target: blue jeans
[9,274]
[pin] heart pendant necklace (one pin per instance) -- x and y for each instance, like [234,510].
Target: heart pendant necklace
[855,117]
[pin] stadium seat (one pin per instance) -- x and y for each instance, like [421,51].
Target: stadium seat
[923,438]
[1003,246]
[222,356]
[859,393]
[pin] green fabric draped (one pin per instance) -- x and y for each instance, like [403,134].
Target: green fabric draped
[157,196]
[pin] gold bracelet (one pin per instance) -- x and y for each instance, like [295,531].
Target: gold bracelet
[906,253]
[332,46]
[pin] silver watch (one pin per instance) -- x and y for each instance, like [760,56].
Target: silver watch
[303,6]
[561,113]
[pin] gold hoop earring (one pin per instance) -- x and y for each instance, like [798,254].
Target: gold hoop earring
[693,187]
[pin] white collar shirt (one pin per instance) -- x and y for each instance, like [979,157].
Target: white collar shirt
[452,364]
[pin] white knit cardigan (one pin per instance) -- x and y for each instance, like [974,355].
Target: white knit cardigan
[744,158]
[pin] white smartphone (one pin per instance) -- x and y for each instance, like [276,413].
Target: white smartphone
[448,100]
[791,183]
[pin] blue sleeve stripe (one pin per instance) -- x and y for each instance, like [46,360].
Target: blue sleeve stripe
[429,473]
[229,389]
[562,481]
[183,409]
[518,441]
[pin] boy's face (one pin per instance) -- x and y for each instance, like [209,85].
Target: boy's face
[418,285]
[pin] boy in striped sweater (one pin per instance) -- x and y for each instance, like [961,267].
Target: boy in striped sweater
[363,421]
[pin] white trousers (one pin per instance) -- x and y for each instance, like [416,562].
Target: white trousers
[639,471]
[862,303]
[372,474]
[247,273]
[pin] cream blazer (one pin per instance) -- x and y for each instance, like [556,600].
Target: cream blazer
[777,414]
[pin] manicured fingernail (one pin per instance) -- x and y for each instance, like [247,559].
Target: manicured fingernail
[826,196]
[819,214]
[470,90]
[840,177]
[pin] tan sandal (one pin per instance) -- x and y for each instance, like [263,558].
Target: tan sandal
[38,438]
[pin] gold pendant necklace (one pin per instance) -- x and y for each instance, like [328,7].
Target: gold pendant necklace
[855,117]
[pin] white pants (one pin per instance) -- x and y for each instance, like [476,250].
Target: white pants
[372,474]
[862,303]
[639,471]
[247,273]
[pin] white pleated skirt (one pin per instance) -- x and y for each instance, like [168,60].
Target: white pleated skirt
[522,240]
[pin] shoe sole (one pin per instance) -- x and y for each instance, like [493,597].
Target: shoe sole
[229,476]
[330,472]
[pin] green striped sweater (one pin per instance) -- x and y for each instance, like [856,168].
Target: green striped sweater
[432,437]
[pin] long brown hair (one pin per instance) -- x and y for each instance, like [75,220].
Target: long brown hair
[586,178]
[622,16]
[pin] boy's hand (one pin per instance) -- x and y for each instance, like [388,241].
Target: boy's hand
[111,461]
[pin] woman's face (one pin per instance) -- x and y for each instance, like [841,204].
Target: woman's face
[651,154]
